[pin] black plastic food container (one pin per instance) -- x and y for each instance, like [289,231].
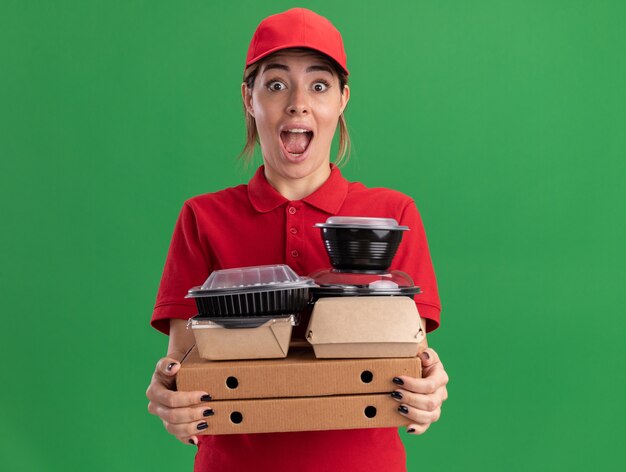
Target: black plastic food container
[271,290]
[361,244]
[274,302]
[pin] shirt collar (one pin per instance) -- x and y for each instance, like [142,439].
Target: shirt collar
[328,198]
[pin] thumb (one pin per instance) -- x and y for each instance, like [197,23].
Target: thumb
[168,366]
[429,358]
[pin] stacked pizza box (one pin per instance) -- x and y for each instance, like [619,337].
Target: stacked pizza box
[363,330]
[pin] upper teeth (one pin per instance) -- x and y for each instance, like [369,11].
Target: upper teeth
[298,130]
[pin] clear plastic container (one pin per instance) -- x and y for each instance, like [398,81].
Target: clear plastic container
[254,278]
[361,222]
[332,282]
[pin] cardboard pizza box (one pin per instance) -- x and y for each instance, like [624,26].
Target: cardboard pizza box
[300,374]
[304,414]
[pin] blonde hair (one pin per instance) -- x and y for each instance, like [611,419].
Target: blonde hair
[252,137]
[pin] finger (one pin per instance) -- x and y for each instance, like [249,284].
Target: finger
[186,429]
[193,440]
[419,416]
[182,415]
[419,400]
[417,428]
[159,393]
[427,385]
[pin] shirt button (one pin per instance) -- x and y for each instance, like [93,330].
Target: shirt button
[293,231]
[292,210]
[294,253]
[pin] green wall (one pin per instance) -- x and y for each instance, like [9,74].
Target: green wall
[505,120]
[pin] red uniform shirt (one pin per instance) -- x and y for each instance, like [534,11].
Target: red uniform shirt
[254,225]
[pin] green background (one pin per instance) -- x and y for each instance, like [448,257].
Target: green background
[505,120]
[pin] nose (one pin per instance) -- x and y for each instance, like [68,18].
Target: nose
[298,102]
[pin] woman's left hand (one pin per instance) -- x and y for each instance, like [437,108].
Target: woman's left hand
[420,399]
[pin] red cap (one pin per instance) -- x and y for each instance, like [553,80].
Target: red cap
[295,28]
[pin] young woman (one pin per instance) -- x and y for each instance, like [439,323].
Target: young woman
[294,93]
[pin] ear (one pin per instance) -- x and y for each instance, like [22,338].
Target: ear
[345,96]
[246,96]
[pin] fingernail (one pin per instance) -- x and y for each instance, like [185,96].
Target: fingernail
[403,409]
[191,441]
[425,355]
[208,412]
[171,366]
[397,395]
[206,398]
[202,426]
[398,381]
[410,430]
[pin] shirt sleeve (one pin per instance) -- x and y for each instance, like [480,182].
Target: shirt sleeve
[413,257]
[186,266]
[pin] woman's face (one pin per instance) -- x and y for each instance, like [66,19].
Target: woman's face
[296,102]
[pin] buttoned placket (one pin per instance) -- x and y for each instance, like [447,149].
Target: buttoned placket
[293,235]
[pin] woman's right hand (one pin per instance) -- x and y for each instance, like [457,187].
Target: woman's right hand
[184,414]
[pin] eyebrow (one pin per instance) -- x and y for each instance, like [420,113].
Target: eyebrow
[313,68]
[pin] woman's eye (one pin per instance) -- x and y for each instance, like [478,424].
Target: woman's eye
[320,86]
[276,86]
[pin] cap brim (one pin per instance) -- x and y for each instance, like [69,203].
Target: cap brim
[295,45]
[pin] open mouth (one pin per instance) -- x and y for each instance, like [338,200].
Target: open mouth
[296,141]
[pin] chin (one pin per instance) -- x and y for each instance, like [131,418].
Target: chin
[299,170]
